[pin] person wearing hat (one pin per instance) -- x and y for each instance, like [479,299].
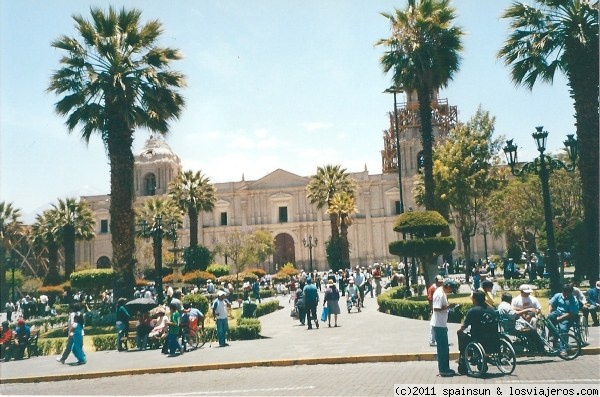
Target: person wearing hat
[526,301]
[5,341]
[160,326]
[220,314]
[210,287]
[439,280]
[439,323]
[331,300]
[352,295]
[22,334]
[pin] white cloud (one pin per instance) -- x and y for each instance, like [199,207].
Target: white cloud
[316,125]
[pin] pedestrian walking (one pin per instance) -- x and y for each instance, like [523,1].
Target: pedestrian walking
[331,300]
[10,308]
[311,300]
[75,308]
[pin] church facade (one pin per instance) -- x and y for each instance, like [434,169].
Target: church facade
[277,203]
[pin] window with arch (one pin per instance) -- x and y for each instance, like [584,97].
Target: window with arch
[150,185]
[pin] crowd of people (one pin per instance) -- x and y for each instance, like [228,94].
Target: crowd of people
[518,314]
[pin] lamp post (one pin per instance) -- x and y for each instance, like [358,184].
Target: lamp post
[395,90]
[11,264]
[542,166]
[156,232]
[310,244]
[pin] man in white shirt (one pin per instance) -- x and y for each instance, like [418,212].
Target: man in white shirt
[526,301]
[439,323]
[219,307]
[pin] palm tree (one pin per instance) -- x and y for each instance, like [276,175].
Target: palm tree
[74,221]
[11,229]
[114,80]
[328,181]
[563,35]
[343,205]
[193,193]
[45,234]
[160,218]
[424,56]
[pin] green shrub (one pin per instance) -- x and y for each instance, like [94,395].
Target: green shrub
[218,270]
[392,302]
[200,302]
[248,309]
[246,329]
[266,308]
[105,342]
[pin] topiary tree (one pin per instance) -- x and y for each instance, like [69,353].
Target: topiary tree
[422,229]
[196,258]
[218,270]
[198,277]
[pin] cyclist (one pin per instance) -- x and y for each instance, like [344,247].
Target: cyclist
[564,310]
[526,301]
[514,324]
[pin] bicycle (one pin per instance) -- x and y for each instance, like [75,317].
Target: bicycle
[564,345]
[194,338]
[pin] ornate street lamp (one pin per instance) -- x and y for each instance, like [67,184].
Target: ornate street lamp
[395,90]
[310,244]
[176,265]
[543,166]
[156,232]
[11,264]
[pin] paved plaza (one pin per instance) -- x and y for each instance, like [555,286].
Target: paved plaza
[366,337]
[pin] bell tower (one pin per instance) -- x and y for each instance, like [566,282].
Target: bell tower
[155,166]
[443,118]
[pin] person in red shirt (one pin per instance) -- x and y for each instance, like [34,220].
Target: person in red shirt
[439,280]
[5,341]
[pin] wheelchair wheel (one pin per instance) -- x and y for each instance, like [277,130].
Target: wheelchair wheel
[583,331]
[475,360]
[192,341]
[573,346]
[506,359]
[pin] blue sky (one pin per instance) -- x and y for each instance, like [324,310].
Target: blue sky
[271,84]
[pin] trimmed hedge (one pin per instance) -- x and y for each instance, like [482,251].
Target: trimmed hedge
[200,302]
[252,310]
[393,302]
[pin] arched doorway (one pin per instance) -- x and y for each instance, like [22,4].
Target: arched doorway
[284,250]
[103,263]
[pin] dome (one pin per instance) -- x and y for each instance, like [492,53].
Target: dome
[156,148]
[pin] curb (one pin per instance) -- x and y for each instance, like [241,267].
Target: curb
[247,364]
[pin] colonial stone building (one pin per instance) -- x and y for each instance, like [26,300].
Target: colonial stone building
[277,202]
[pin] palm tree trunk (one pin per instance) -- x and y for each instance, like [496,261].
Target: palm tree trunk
[193,215]
[335,232]
[53,275]
[345,244]
[69,247]
[122,222]
[424,94]
[157,251]
[583,80]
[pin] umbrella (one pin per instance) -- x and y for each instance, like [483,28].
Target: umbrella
[141,305]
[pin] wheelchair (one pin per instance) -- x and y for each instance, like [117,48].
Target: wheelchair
[496,351]
[353,301]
